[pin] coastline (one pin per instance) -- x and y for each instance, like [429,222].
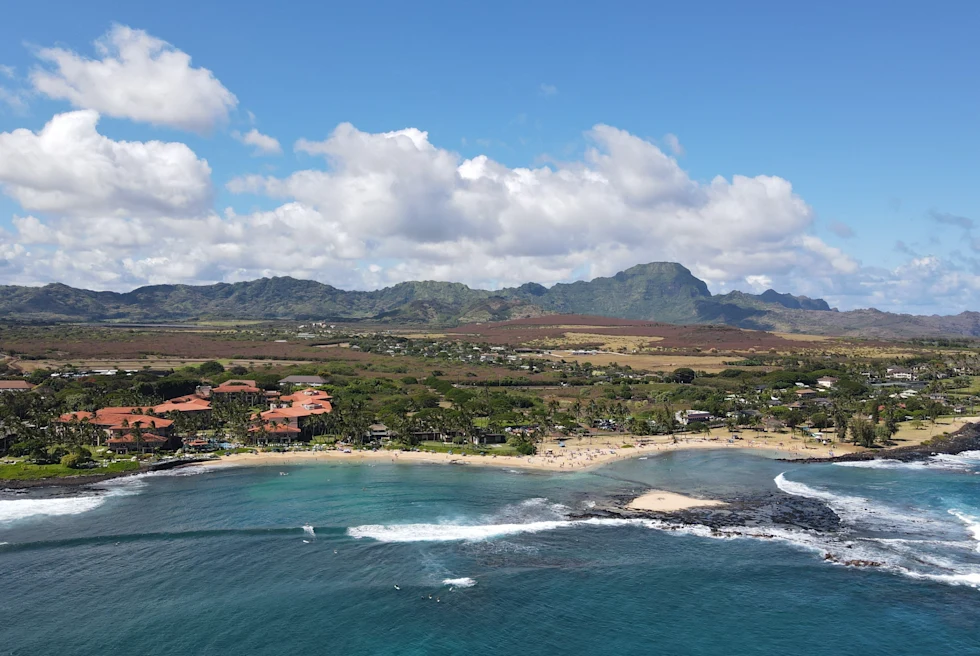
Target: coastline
[578,455]
[583,453]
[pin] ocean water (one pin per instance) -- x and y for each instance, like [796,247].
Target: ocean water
[409,559]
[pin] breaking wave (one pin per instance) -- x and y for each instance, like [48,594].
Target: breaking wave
[465,582]
[972,525]
[924,550]
[966,460]
[467,532]
[12,510]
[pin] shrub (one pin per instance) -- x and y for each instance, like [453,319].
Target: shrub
[75,460]
[211,368]
[24,448]
[526,448]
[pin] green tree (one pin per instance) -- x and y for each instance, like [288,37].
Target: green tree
[862,431]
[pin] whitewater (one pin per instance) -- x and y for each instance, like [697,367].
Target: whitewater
[442,560]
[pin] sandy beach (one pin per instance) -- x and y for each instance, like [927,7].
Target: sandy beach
[578,454]
[661,501]
[584,452]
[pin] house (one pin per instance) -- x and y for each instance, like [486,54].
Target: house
[685,417]
[15,386]
[242,391]
[489,438]
[827,382]
[305,381]
[806,393]
[129,443]
[378,432]
[899,373]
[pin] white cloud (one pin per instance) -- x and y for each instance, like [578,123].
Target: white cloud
[263,143]
[7,71]
[403,199]
[674,144]
[548,90]
[388,207]
[15,99]
[69,168]
[138,77]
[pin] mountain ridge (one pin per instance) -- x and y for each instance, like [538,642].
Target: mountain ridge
[657,291]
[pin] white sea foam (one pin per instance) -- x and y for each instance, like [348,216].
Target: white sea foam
[961,461]
[308,529]
[465,582]
[12,510]
[466,532]
[972,524]
[882,463]
[16,509]
[971,579]
[857,510]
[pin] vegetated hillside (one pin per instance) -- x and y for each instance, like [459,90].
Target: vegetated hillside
[659,291]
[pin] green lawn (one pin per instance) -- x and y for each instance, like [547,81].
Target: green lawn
[972,390]
[26,472]
[469,449]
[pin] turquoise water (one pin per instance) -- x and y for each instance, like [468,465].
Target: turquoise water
[488,563]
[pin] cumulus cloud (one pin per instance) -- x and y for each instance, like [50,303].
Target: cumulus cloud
[392,206]
[69,168]
[262,143]
[402,198]
[138,77]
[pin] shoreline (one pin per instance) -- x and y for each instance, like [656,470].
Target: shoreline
[576,457]
[579,454]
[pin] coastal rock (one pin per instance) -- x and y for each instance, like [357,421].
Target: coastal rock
[966,438]
[773,509]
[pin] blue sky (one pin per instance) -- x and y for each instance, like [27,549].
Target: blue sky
[870,113]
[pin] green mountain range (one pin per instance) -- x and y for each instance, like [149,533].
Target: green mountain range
[659,291]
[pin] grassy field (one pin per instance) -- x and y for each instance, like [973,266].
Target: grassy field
[604,342]
[652,362]
[469,449]
[26,472]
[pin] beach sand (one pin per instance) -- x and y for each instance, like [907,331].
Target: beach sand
[661,501]
[578,454]
[584,452]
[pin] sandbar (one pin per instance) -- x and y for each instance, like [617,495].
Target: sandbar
[661,501]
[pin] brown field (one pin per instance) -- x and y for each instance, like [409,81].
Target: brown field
[604,342]
[566,327]
[711,364]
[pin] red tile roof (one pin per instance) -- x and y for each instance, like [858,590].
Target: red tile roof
[236,386]
[273,427]
[304,396]
[15,385]
[183,404]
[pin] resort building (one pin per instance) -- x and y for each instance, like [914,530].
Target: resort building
[304,381]
[130,443]
[246,392]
